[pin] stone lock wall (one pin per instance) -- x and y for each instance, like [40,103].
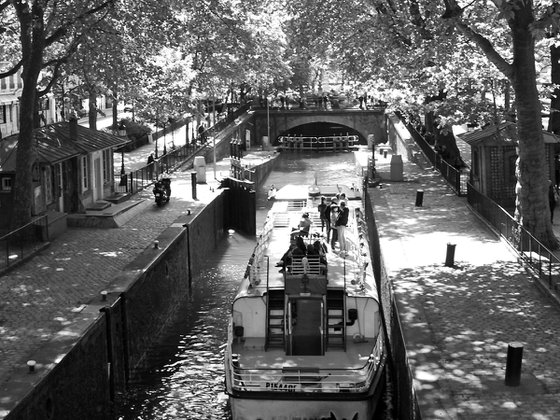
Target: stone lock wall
[76,387]
[97,353]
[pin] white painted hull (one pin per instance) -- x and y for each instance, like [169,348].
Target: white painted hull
[248,409]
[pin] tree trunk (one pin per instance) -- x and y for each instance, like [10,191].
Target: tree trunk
[532,208]
[114,105]
[25,156]
[92,111]
[32,46]
[554,120]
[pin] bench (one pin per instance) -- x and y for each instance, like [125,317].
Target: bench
[298,267]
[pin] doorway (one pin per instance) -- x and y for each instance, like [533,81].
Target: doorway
[306,315]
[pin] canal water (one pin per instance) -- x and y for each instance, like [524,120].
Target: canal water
[184,377]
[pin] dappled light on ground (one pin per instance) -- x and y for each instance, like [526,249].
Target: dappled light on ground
[470,314]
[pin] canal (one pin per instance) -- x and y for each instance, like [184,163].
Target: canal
[183,376]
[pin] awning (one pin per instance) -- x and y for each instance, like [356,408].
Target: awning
[8,99]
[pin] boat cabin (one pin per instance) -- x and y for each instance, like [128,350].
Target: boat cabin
[310,306]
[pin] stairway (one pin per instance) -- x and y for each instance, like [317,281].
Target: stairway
[275,319]
[336,326]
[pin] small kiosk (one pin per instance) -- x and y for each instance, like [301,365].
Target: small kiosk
[493,158]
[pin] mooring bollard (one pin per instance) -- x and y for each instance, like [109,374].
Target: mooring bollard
[193,185]
[450,256]
[513,364]
[419,198]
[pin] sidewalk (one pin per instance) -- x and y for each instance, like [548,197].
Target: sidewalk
[46,295]
[458,321]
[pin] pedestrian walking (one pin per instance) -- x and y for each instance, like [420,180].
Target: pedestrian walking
[151,166]
[202,133]
[551,200]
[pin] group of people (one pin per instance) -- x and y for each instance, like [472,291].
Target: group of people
[334,219]
[298,249]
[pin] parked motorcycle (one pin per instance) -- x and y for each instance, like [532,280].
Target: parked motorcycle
[162,191]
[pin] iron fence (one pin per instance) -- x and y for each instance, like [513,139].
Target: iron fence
[456,178]
[23,242]
[242,172]
[136,181]
[541,260]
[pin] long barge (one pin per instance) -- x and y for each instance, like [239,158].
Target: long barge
[305,341]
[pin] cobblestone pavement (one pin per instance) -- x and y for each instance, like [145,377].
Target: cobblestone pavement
[459,320]
[45,294]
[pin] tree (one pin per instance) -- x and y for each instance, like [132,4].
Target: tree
[47,34]
[532,206]
[424,43]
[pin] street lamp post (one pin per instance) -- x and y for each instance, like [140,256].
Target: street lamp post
[156,151]
[268,119]
[164,146]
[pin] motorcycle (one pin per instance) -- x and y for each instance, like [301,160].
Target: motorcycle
[162,191]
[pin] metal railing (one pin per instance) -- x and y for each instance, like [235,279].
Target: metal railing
[318,143]
[542,261]
[241,172]
[135,181]
[23,242]
[325,380]
[456,178]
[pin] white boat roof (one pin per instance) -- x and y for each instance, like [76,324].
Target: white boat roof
[344,271]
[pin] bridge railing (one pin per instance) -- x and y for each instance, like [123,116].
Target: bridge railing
[318,143]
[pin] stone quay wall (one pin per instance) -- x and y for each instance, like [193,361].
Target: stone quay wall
[400,374]
[99,353]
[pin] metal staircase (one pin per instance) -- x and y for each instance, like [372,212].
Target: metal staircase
[336,325]
[275,319]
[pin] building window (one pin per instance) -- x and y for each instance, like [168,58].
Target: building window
[6,183]
[4,83]
[3,114]
[107,155]
[47,182]
[85,173]
[13,81]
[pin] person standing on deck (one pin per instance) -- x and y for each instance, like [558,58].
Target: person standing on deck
[340,224]
[322,208]
[334,211]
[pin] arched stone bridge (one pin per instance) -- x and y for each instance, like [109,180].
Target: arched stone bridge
[369,125]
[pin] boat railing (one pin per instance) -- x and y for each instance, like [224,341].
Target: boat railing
[299,379]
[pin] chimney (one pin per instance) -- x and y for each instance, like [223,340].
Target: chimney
[73,126]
